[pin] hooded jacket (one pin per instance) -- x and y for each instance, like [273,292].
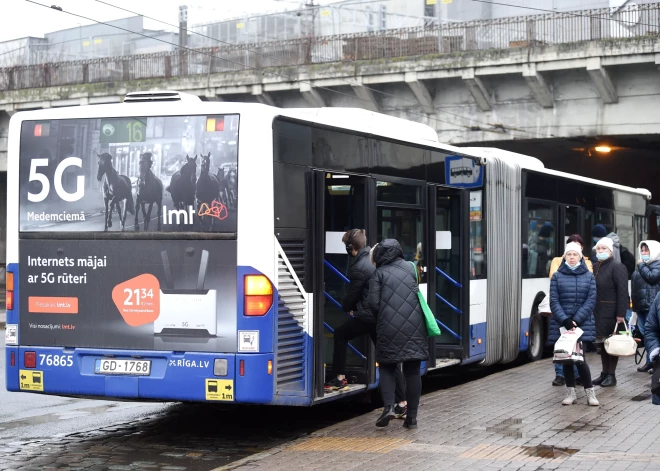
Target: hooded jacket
[573,296]
[357,290]
[652,327]
[645,283]
[400,327]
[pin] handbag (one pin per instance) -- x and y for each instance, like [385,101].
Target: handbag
[568,349]
[544,307]
[623,345]
[432,328]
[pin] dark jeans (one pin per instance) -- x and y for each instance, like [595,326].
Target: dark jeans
[585,374]
[351,329]
[413,384]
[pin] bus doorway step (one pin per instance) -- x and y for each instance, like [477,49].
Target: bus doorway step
[444,363]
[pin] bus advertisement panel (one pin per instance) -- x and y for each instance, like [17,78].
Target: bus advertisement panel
[154,175]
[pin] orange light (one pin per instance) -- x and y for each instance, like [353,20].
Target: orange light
[9,300]
[9,281]
[603,149]
[241,367]
[257,305]
[526,334]
[210,124]
[257,285]
[479,341]
[270,367]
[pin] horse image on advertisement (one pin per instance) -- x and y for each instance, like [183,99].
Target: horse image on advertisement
[149,191]
[228,184]
[182,184]
[208,191]
[115,188]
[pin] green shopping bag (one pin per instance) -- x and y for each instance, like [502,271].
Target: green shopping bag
[432,328]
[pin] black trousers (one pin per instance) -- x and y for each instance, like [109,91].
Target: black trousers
[585,374]
[351,329]
[413,384]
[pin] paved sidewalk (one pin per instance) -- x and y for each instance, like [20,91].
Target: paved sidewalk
[511,420]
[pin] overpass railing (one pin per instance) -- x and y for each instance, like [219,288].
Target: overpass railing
[634,21]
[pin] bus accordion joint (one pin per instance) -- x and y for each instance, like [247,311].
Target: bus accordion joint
[9,282]
[258,295]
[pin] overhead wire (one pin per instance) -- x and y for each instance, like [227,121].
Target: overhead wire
[243,65]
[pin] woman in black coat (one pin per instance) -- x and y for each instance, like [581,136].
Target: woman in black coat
[612,301]
[401,335]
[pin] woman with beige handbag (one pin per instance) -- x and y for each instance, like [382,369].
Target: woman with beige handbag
[611,305]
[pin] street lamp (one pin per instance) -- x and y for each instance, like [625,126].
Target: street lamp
[603,149]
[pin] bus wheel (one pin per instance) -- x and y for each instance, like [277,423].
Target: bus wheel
[535,348]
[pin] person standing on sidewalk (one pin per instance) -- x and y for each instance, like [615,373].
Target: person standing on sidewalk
[652,338]
[553,334]
[362,321]
[401,335]
[645,285]
[572,301]
[612,302]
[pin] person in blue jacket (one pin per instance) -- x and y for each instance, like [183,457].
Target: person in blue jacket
[652,338]
[572,302]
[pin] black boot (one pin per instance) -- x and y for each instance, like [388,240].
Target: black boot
[559,381]
[600,379]
[387,415]
[608,382]
[644,368]
[410,422]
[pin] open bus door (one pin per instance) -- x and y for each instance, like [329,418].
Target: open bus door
[653,214]
[340,204]
[448,274]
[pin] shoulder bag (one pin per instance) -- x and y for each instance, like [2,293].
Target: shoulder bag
[621,345]
[432,328]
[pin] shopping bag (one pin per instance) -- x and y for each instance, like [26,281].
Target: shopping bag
[432,328]
[567,348]
[621,345]
[544,307]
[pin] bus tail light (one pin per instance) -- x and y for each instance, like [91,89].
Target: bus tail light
[9,281]
[30,359]
[241,367]
[13,359]
[258,295]
[270,367]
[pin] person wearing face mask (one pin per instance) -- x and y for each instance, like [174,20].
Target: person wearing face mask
[572,301]
[611,304]
[553,333]
[645,286]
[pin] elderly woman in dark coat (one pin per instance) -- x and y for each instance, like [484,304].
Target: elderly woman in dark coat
[401,335]
[572,301]
[612,302]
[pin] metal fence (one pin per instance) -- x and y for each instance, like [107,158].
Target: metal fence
[635,21]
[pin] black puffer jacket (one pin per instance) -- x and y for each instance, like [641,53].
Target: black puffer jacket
[400,328]
[645,282]
[612,299]
[357,290]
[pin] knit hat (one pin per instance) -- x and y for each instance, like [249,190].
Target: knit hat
[573,246]
[607,242]
[598,231]
[546,230]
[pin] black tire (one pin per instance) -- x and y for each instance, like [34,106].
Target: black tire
[536,337]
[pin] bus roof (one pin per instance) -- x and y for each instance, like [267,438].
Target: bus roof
[534,164]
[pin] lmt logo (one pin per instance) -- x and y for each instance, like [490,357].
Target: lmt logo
[180,215]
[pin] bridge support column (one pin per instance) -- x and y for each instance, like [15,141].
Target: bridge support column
[311,96]
[477,89]
[602,80]
[420,91]
[538,85]
[261,96]
[366,96]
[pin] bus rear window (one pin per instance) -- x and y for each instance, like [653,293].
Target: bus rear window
[135,174]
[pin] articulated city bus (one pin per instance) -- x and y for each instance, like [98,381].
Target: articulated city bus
[166,248]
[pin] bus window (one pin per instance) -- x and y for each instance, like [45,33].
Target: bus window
[625,230]
[541,235]
[477,255]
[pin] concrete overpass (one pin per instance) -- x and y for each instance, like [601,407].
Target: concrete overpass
[536,77]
